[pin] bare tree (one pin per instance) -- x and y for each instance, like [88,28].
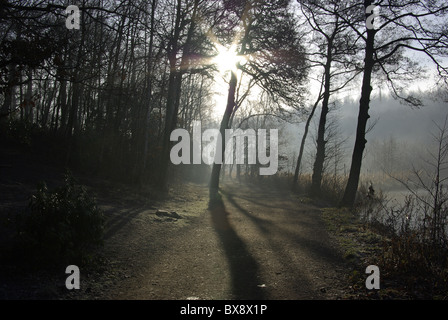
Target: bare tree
[404,25]
[304,136]
[428,187]
[266,36]
[336,47]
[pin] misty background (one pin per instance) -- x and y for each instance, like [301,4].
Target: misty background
[400,137]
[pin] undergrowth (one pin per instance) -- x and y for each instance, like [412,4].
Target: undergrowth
[63,225]
[410,268]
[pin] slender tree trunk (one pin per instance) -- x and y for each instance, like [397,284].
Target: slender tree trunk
[10,91]
[61,76]
[320,150]
[170,113]
[148,97]
[302,144]
[72,118]
[47,107]
[62,105]
[175,87]
[352,184]
[28,98]
[214,180]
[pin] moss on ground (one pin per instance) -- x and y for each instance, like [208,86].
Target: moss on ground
[359,246]
[362,246]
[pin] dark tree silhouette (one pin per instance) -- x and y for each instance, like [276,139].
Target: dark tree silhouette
[266,35]
[404,25]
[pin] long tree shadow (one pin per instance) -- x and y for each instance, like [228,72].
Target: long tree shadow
[118,219]
[243,267]
[310,243]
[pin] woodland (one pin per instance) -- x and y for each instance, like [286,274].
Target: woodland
[98,88]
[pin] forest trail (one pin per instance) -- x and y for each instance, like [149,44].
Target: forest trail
[264,245]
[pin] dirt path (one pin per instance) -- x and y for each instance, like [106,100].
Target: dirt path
[263,245]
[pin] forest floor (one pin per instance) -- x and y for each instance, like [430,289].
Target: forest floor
[265,244]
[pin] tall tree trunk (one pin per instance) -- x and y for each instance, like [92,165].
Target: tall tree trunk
[302,144]
[62,105]
[214,180]
[61,76]
[320,149]
[170,114]
[10,91]
[170,102]
[174,88]
[352,184]
[28,98]
[73,115]
[148,97]
[47,106]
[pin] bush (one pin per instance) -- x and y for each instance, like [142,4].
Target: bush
[409,253]
[62,225]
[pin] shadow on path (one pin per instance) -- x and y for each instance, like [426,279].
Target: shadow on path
[310,240]
[298,256]
[117,219]
[243,267]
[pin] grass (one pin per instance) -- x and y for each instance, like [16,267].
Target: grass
[356,241]
[362,245]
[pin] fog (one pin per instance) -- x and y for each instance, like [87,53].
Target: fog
[400,138]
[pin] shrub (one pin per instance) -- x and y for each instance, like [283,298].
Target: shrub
[63,224]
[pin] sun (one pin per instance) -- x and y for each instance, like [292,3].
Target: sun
[227,59]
